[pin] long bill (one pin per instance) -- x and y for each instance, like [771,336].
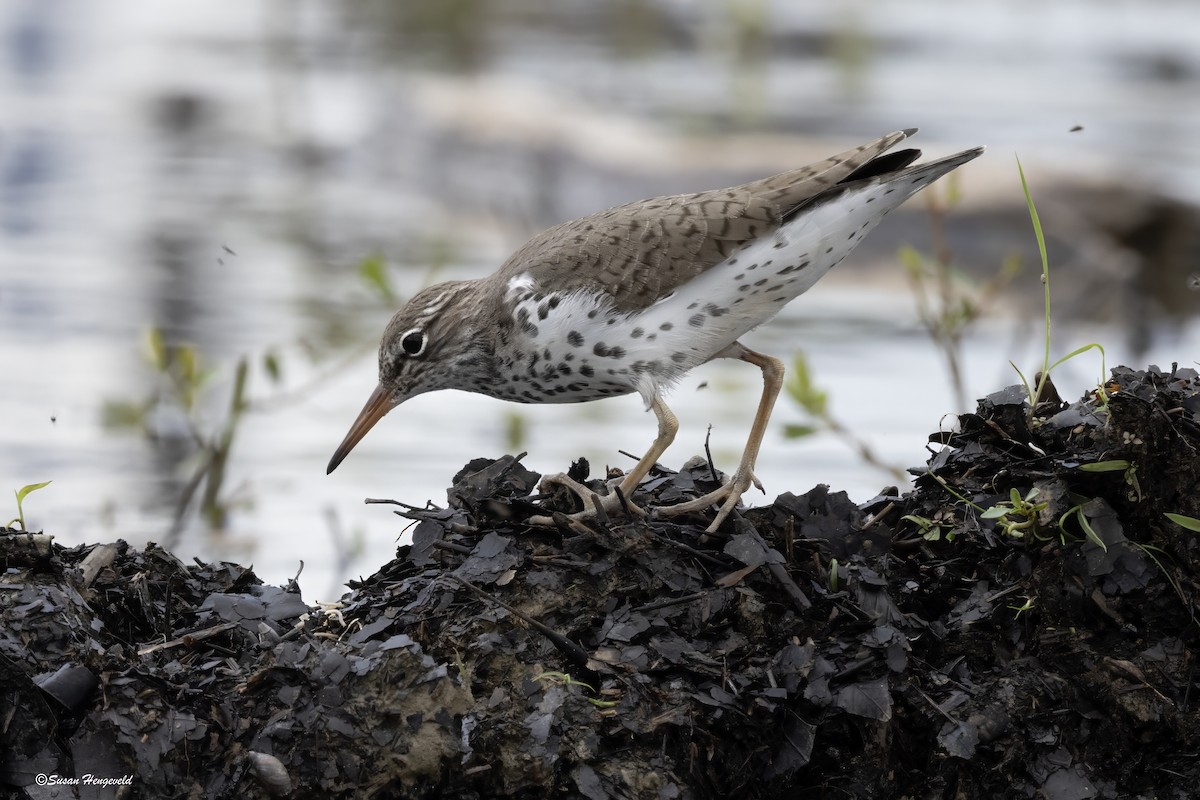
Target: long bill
[378,404]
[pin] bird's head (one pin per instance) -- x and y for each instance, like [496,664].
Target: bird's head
[426,346]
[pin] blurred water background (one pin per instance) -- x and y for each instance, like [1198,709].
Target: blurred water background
[222,171]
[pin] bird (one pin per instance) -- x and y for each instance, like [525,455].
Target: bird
[632,298]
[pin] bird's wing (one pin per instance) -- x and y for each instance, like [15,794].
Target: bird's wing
[642,251]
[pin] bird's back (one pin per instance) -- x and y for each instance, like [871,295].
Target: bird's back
[639,252]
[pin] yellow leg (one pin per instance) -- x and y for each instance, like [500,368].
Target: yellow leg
[611,503]
[731,493]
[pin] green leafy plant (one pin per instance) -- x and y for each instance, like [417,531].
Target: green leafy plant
[948,302]
[21,494]
[801,387]
[930,530]
[1018,515]
[1117,465]
[1076,513]
[1028,605]
[179,394]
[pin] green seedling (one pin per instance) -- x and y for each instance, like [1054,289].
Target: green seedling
[814,401]
[1084,525]
[1018,515]
[931,531]
[1035,393]
[1117,465]
[565,679]
[21,494]
[1021,609]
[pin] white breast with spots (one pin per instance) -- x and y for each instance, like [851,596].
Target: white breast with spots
[607,352]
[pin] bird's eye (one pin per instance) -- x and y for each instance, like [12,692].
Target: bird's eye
[413,343]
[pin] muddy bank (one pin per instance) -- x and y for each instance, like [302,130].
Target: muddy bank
[1021,624]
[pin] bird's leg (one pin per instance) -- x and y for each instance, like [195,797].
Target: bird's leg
[731,492]
[611,502]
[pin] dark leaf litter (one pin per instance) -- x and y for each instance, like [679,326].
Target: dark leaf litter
[911,647]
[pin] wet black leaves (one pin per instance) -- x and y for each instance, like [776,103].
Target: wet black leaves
[812,647]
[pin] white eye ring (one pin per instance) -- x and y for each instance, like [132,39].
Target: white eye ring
[413,342]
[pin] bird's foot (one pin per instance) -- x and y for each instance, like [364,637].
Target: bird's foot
[595,506]
[731,493]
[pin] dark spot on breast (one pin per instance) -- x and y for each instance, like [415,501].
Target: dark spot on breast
[760,281]
[828,250]
[592,314]
[616,352]
[696,320]
[530,329]
[543,311]
[553,302]
[694,305]
[793,268]
[601,349]
[780,245]
[679,358]
[575,339]
[652,337]
[739,276]
[636,333]
[666,326]
[586,371]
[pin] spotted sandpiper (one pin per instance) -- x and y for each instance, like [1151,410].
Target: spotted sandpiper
[632,298]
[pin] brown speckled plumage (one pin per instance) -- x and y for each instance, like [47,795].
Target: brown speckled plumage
[632,298]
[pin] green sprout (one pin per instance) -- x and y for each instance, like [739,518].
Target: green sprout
[565,679]
[1021,609]
[1084,524]
[1035,393]
[1117,465]
[931,531]
[801,387]
[21,494]
[1190,523]
[1018,514]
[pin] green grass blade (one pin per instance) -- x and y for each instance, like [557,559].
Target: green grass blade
[1191,523]
[1041,240]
